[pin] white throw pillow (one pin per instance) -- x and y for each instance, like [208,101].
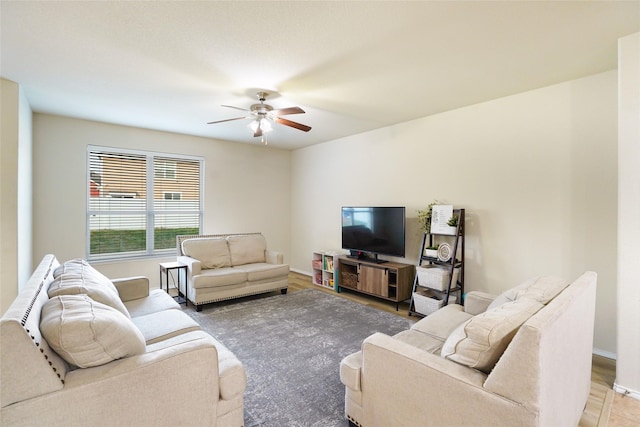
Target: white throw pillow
[541,289]
[78,265]
[99,289]
[211,252]
[247,249]
[81,266]
[92,278]
[480,341]
[87,333]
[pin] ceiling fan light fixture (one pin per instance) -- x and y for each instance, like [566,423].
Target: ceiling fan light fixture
[265,125]
[262,123]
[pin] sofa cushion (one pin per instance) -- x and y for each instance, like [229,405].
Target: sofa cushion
[164,324]
[263,271]
[219,277]
[85,282]
[444,321]
[247,249]
[480,341]
[212,252]
[424,342]
[87,333]
[158,300]
[541,289]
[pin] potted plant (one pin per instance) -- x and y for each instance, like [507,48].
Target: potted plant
[431,252]
[424,217]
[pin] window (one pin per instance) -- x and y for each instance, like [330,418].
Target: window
[165,169]
[137,202]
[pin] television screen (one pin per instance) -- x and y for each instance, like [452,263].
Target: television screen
[376,230]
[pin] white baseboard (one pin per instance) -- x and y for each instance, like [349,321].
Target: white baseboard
[606,354]
[295,270]
[626,391]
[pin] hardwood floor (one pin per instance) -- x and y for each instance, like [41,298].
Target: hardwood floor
[625,411]
[604,406]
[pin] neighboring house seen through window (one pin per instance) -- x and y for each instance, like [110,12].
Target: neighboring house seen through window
[165,169]
[137,202]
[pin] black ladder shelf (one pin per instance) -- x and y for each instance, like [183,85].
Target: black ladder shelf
[456,261]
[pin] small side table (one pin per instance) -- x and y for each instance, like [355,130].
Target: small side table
[166,267]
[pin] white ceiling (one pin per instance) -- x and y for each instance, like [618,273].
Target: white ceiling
[352,66]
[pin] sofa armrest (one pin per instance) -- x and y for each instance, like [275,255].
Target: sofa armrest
[350,370]
[273,257]
[410,358]
[194,267]
[130,288]
[129,390]
[405,385]
[152,362]
[476,302]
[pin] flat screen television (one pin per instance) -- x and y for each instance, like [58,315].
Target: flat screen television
[373,231]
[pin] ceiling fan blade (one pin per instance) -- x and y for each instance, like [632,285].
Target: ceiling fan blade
[228,120]
[286,111]
[237,108]
[299,126]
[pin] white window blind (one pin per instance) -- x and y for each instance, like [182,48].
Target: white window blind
[128,211]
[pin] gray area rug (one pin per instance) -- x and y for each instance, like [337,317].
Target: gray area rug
[291,346]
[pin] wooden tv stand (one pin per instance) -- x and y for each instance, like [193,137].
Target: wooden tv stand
[391,281]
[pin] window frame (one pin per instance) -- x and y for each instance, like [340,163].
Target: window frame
[149,212]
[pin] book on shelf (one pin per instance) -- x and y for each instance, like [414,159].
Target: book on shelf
[329,262]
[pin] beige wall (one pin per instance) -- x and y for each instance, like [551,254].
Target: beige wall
[15,191]
[246,186]
[9,192]
[628,365]
[536,172]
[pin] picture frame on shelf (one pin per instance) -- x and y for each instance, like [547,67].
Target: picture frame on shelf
[440,217]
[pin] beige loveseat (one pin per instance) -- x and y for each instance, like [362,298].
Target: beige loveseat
[226,266]
[522,359]
[78,351]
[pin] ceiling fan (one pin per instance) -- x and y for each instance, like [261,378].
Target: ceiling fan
[264,114]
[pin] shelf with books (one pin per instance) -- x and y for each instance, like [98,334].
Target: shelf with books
[323,266]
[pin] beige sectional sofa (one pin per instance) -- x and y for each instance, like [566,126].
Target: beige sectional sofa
[77,349]
[521,359]
[226,266]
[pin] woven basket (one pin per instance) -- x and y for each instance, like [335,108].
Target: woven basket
[436,277]
[427,302]
[348,280]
